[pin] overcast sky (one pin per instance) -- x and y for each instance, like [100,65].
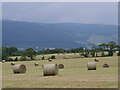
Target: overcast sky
[50,12]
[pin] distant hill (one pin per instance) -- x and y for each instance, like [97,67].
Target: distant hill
[55,35]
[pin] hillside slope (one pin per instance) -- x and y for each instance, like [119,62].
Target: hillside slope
[60,35]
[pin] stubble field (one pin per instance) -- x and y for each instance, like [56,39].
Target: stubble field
[74,75]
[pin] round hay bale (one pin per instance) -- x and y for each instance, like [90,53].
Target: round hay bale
[91,65]
[19,68]
[50,60]
[12,63]
[66,57]
[36,64]
[50,69]
[82,56]
[3,61]
[105,65]
[96,60]
[61,66]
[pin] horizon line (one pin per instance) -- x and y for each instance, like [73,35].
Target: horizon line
[57,22]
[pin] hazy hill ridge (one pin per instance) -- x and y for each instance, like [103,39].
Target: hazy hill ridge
[60,35]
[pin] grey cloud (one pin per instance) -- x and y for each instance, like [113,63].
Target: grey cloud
[103,13]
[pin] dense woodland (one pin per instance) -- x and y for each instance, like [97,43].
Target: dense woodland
[109,47]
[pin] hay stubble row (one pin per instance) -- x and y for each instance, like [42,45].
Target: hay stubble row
[75,74]
[52,69]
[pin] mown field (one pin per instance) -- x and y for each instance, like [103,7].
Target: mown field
[74,75]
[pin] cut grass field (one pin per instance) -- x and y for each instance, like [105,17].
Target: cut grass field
[74,75]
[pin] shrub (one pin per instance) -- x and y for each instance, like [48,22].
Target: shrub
[16,59]
[82,54]
[43,57]
[118,53]
[4,57]
[53,57]
[10,59]
[110,53]
[86,54]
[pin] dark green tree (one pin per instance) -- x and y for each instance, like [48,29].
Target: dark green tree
[43,57]
[93,52]
[118,49]
[29,53]
[86,52]
[16,59]
[5,53]
[17,53]
[107,46]
[81,49]
[112,45]
[103,47]
[53,57]
[11,50]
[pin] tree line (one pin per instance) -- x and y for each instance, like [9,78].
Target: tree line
[110,47]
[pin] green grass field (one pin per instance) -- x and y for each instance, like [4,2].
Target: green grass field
[74,75]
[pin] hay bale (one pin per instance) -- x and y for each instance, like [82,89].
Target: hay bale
[50,69]
[50,60]
[3,61]
[61,66]
[66,57]
[91,65]
[36,64]
[82,56]
[19,68]
[96,60]
[13,63]
[105,65]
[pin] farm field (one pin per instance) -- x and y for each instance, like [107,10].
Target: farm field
[74,75]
